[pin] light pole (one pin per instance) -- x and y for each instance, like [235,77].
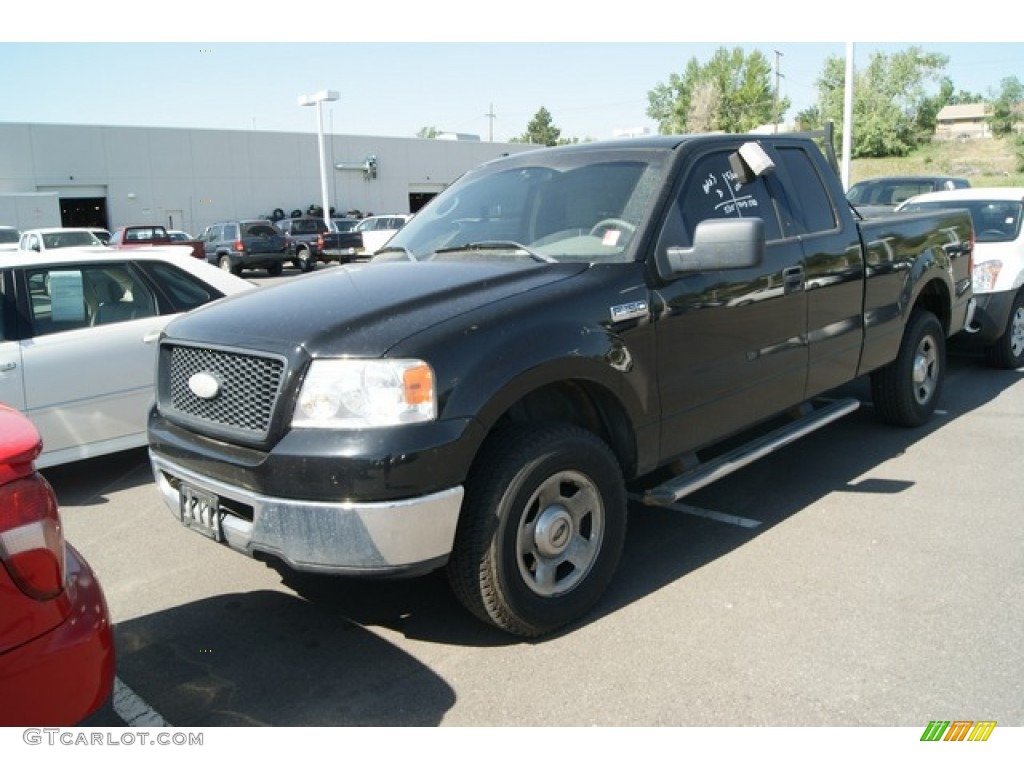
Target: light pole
[318,99]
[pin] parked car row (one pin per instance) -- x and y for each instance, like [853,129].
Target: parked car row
[302,241]
[234,246]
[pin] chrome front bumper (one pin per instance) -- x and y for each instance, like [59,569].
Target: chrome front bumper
[379,538]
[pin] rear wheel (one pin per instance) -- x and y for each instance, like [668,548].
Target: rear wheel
[274,270]
[542,528]
[1008,350]
[906,391]
[227,265]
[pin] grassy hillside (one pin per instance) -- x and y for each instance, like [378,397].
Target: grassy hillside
[985,162]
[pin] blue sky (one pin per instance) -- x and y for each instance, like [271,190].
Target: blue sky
[594,80]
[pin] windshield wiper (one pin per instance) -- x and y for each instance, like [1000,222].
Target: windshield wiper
[499,245]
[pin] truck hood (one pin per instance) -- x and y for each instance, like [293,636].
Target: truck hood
[360,310]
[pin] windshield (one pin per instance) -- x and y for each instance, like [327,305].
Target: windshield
[70,239]
[995,221]
[544,206]
[8,236]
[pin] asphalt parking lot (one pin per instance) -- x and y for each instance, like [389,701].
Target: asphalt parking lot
[864,576]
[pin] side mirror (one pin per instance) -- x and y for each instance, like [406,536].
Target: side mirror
[719,244]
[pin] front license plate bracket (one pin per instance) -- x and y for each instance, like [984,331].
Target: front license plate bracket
[200,511]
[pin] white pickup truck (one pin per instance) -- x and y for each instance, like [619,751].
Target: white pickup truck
[998,326]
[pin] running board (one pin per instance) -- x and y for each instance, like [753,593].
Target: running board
[694,479]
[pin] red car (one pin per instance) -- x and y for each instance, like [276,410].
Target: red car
[56,641]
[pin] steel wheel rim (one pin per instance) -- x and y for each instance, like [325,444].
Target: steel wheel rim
[926,370]
[560,533]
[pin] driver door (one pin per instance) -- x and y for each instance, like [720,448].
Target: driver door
[732,346]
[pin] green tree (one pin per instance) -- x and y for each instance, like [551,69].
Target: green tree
[540,130]
[427,132]
[732,92]
[891,112]
[1007,109]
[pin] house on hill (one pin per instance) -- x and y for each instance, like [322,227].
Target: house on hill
[963,121]
[969,121]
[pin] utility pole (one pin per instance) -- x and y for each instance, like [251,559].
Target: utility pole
[778,76]
[490,115]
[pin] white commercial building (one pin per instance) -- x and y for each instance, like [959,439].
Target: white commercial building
[106,176]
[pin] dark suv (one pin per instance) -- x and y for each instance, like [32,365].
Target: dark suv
[303,236]
[249,244]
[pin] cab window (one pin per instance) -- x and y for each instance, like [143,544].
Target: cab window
[711,190]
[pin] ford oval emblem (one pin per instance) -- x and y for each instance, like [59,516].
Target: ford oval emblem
[204,385]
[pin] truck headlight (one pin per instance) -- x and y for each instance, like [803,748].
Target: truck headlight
[365,393]
[985,275]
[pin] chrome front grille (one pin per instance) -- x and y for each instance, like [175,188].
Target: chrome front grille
[249,386]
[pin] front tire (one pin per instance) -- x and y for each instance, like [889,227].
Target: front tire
[906,391]
[542,528]
[1008,350]
[304,260]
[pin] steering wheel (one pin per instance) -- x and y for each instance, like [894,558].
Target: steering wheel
[992,233]
[620,224]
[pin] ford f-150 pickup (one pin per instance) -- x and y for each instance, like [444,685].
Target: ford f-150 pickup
[552,327]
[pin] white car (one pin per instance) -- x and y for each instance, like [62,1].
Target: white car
[377,230]
[54,238]
[998,283]
[78,339]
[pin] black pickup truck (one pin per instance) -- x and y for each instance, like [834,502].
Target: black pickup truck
[343,246]
[303,240]
[553,328]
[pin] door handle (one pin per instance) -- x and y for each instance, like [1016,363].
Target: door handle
[792,279]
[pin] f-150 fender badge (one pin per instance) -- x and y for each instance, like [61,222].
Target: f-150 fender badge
[631,311]
[204,385]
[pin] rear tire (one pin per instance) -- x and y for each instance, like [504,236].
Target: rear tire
[227,265]
[275,270]
[542,528]
[906,391]
[1008,350]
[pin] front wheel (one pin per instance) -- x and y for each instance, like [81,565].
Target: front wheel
[542,528]
[1008,350]
[304,260]
[906,391]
